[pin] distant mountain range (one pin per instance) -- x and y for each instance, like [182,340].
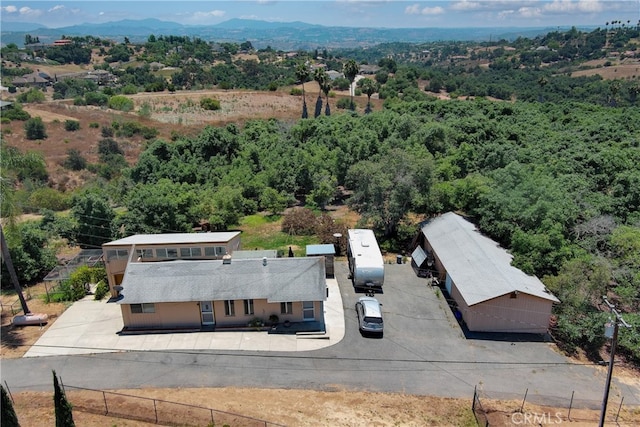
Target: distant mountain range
[278,35]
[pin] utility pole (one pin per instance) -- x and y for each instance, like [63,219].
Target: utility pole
[614,342]
[6,256]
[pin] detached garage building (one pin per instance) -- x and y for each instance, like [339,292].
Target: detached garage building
[491,294]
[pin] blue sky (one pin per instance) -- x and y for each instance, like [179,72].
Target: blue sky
[353,13]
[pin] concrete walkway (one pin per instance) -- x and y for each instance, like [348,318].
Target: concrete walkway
[90,326]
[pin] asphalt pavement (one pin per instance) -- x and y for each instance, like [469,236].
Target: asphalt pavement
[424,351]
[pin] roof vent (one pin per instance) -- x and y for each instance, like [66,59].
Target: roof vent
[264,261]
[226,259]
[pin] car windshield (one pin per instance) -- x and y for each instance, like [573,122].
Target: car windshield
[373,320]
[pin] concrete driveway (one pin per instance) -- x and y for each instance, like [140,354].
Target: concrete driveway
[90,326]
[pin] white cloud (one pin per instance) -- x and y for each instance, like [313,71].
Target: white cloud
[466,5]
[416,10]
[210,14]
[56,7]
[9,9]
[30,13]
[432,11]
[529,12]
[568,6]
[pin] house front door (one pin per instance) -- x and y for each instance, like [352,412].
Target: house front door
[206,312]
[307,311]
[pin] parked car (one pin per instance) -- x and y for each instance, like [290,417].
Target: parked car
[369,315]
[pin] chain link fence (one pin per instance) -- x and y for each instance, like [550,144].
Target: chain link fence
[156,411]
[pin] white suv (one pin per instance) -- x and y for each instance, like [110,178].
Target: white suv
[369,315]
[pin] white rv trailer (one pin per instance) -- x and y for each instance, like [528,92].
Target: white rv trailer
[366,265]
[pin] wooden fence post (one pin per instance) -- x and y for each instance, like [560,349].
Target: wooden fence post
[570,406]
[523,400]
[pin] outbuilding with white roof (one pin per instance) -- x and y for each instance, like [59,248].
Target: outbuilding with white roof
[491,295]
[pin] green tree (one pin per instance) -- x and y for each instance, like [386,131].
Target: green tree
[369,87]
[9,417]
[272,201]
[34,129]
[75,161]
[120,103]
[350,71]
[71,125]
[33,95]
[302,74]
[94,216]
[64,413]
[385,192]
[324,83]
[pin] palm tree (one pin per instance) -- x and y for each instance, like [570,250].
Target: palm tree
[350,70]
[369,87]
[302,74]
[321,76]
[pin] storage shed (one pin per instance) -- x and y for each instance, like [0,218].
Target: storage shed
[328,251]
[491,294]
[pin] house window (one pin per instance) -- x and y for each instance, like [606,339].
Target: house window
[190,252]
[229,308]
[248,306]
[167,253]
[286,308]
[117,254]
[143,308]
[144,253]
[215,251]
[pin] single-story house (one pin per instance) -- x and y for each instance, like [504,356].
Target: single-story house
[206,294]
[162,247]
[491,295]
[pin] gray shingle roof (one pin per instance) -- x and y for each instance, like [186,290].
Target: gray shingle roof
[280,280]
[479,267]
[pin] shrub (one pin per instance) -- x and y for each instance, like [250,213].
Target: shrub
[33,95]
[16,113]
[102,289]
[300,222]
[120,103]
[210,104]
[71,125]
[48,198]
[344,103]
[273,86]
[107,132]
[94,125]
[34,129]
[74,160]
[296,91]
